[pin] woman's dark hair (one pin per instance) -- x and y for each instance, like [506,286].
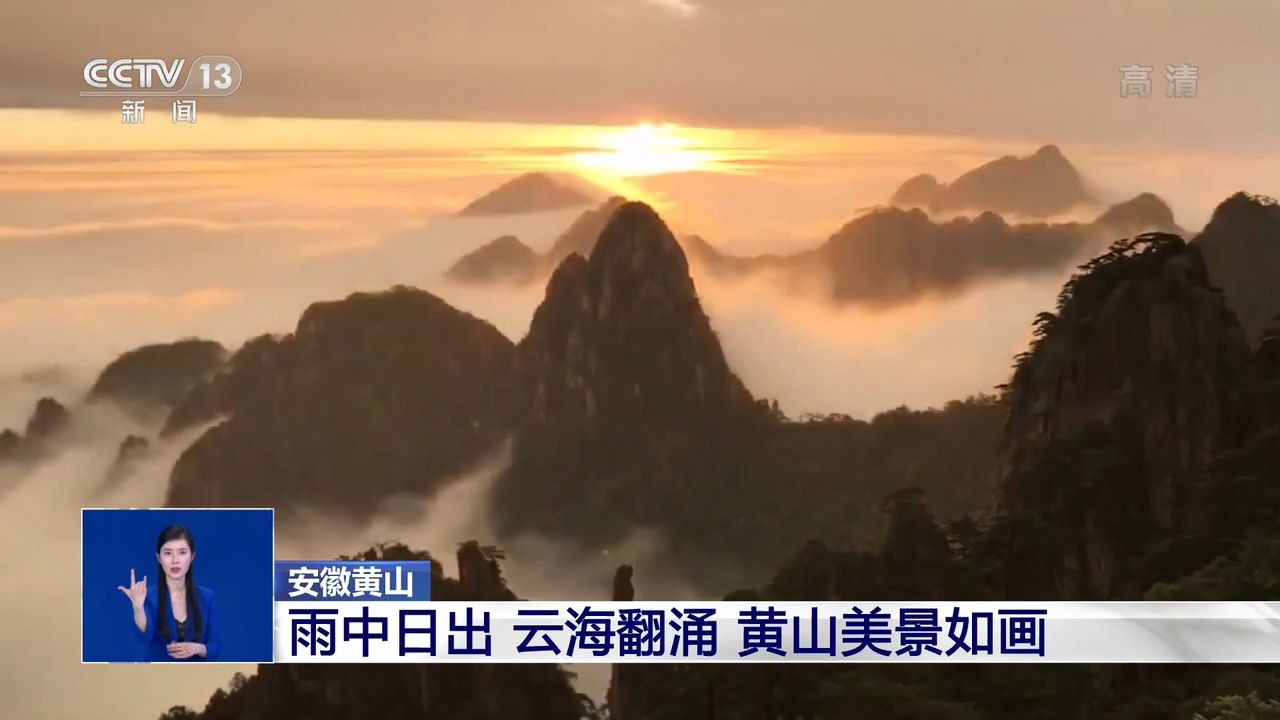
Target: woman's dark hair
[178,532]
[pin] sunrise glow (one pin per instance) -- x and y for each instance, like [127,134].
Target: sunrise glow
[647,149]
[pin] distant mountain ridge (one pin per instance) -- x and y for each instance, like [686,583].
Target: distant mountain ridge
[1042,184]
[889,255]
[527,193]
[893,255]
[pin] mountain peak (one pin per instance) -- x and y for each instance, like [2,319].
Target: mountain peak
[507,242]
[636,267]
[1041,184]
[1242,205]
[1049,152]
[49,418]
[504,258]
[1143,212]
[636,243]
[620,368]
[158,376]
[623,332]
[919,190]
[527,193]
[425,380]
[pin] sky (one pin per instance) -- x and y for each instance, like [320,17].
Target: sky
[359,129]
[998,69]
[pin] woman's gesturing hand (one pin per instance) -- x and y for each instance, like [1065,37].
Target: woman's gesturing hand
[137,590]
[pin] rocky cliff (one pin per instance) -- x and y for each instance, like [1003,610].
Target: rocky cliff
[1128,393]
[626,394]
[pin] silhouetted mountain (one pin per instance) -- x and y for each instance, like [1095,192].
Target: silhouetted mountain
[49,420]
[892,255]
[157,377]
[531,192]
[1241,244]
[625,388]
[1039,185]
[371,396]
[706,256]
[1142,213]
[10,445]
[506,259]
[132,450]
[405,691]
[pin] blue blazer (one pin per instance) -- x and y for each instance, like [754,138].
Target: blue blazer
[153,642]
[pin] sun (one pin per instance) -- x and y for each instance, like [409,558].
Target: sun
[645,149]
